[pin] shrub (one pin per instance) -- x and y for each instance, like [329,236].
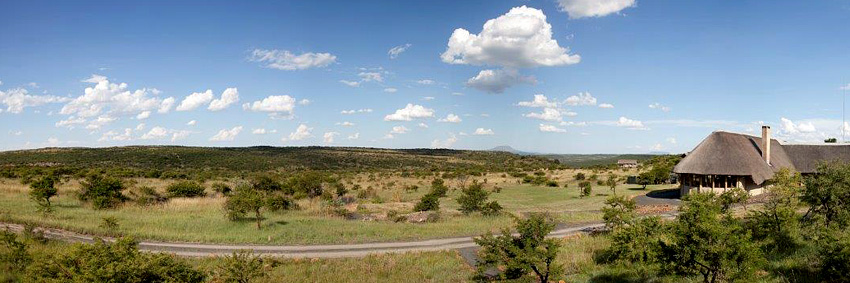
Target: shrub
[340,189]
[240,267]
[439,188]
[579,176]
[552,183]
[280,203]
[185,189]
[586,189]
[147,196]
[516,256]
[222,189]
[42,190]
[428,202]
[13,253]
[618,212]
[102,192]
[110,224]
[266,184]
[472,198]
[491,209]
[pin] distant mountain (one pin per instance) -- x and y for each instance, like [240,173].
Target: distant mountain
[506,148]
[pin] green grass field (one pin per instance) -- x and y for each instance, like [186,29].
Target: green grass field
[203,220]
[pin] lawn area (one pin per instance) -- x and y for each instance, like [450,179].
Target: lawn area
[203,220]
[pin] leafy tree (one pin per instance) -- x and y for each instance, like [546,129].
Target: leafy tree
[519,255]
[472,198]
[240,267]
[186,189]
[612,183]
[42,190]
[637,242]
[429,201]
[707,241]
[579,176]
[618,211]
[585,189]
[438,187]
[266,184]
[102,192]
[732,197]
[827,194]
[306,183]
[492,208]
[834,254]
[111,262]
[246,200]
[777,222]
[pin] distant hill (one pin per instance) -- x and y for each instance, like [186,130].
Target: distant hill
[177,161]
[506,148]
[586,160]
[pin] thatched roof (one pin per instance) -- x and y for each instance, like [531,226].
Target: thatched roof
[724,153]
[807,157]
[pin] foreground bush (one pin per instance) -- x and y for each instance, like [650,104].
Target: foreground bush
[185,189]
[517,256]
[240,267]
[102,192]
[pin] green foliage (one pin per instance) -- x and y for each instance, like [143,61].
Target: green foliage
[240,267]
[245,200]
[706,240]
[585,189]
[438,187]
[637,242]
[472,198]
[280,203]
[102,192]
[492,208]
[185,189]
[552,184]
[611,182]
[117,262]
[530,252]
[340,189]
[14,256]
[109,223]
[732,197]
[618,212]
[147,196]
[42,190]
[430,201]
[222,188]
[266,184]
[777,223]
[827,194]
[834,253]
[579,176]
[307,183]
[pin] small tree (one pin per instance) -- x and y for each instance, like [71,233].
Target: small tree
[827,193]
[579,176]
[777,222]
[585,188]
[42,190]
[517,256]
[245,200]
[612,183]
[102,192]
[438,187]
[472,198]
[618,211]
[186,189]
[428,202]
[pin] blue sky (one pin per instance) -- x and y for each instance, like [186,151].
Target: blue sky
[556,76]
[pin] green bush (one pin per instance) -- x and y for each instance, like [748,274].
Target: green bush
[14,254]
[42,190]
[147,196]
[586,189]
[240,267]
[491,209]
[579,176]
[102,192]
[280,203]
[430,201]
[552,183]
[439,188]
[222,188]
[472,198]
[185,189]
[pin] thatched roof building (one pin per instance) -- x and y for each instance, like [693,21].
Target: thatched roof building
[727,160]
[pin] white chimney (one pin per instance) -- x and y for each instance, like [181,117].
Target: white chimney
[765,143]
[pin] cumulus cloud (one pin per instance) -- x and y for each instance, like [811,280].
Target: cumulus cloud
[262,131]
[631,124]
[606,105]
[300,133]
[399,130]
[548,114]
[789,127]
[228,97]
[451,118]
[143,115]
[155,133]
[519,39]
[227,135]
[115,136]
[447,143]
[847,87]
[329,137]
[353,136]
[371,76]
[195,100]
[483,132]
[539,101]
[192,123]
[423,125]
[577,9]
[496,81]
[582,99]
[282,105]
[285,60]
[19,98]
[410,112]
[355,111]
[94,79]
[165,105]
[551,129]
[659,107]
[397,50]
[113,99]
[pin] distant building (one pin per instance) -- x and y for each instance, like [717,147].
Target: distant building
[627,163]
[729,160]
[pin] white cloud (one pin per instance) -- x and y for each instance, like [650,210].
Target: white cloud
[110,98]
[71,121]
[483,132]
[395,51]
[16,133]
[593,8]
[350,83]
[451,118]
[428,98]
[426,82]
[551,129]
[582,99]
[399,130]
[496,81]
[114,136]
[409,113]
[671,140]
[447,143]
[165,105]
[657,147]
[606,105]
[17,99]
[631,124]
[275,104]
[539,101]
[228,97]
[370,76]
[101,121]
[423,125]
[353,136]
[155,133]
[304,102]
[143,115]
[94,79]
[548,114]
[300,133]
[345,124]
[195,100]
[262,131]
[285,60]
[457,93]
[355,111]
[390,90]
[847,87]
[192,123]
[227,135]
[788,127]
[519,39]
[659,107]
[329,137]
